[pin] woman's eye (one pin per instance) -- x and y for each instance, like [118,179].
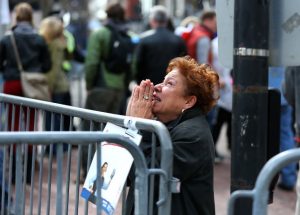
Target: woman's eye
[169,83]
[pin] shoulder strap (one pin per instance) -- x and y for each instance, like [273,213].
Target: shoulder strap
[14,44]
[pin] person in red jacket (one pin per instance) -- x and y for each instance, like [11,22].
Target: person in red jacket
[199,40]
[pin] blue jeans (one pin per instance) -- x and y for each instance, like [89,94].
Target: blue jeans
[288,173]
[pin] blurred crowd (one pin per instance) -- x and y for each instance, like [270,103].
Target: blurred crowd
[116,58]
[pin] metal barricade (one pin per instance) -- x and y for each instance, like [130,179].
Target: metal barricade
[21,112]
[45,138]
[260,193]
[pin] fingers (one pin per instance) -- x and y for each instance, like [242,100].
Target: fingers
[135,93]
[151,90]
[146,90]
[140,104]
[142,92]
[134,97]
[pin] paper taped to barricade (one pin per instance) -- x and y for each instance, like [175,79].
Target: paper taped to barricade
[116,162]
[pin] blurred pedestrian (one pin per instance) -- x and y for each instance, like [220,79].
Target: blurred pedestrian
[288,174]
[186,26]
[224,105]
[107,67]
[200,48]
[34,56]
[157,47]
[51,29]
[199,41]
[72,51]
[291,91]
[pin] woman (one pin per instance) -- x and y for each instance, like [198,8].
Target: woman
[51,29]
[34,57]
[187,93]
[32,49]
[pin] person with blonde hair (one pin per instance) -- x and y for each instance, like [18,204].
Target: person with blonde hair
[187,93]
[51,29]
[34,56]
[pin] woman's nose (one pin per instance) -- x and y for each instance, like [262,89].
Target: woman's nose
[157,87]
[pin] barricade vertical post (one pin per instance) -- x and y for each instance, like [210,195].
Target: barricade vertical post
[18,178]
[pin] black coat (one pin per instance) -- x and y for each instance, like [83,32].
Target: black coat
[154,52]
[193,164]
[32,49]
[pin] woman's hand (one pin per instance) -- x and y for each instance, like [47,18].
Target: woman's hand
[140,103]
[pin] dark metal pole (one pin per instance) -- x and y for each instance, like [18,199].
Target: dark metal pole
[250,98]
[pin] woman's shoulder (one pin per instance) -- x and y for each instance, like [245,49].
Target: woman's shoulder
[192,127]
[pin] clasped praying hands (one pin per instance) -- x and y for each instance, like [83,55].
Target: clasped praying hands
[141,102]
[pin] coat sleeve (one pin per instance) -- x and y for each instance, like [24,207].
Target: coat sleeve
[92,60]
[2,55]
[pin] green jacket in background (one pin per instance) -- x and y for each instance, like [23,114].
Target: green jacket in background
[96,74]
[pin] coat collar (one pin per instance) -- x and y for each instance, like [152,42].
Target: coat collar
[187,114]
[24,28]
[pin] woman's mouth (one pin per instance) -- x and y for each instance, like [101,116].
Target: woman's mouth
[155,98]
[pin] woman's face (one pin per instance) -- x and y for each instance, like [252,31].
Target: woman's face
[104,168]
[169,97]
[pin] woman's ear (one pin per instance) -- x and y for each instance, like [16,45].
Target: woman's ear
[190,102]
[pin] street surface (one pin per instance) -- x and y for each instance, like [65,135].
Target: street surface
[283,203]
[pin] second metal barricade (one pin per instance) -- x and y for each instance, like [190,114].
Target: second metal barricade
[260,193]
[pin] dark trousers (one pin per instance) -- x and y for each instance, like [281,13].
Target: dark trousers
[14,88]
[60,98]
[223,116]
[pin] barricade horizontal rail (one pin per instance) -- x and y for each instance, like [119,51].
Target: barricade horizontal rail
[260,193]
[17,113]
[46,138]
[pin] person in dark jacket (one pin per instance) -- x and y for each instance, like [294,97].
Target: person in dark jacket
[32,49]
[181,101]
[157,47]
[34,56]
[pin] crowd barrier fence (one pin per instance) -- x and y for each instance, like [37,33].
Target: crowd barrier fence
[45,139]
[25,114]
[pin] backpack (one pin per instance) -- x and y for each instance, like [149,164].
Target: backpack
[120,52]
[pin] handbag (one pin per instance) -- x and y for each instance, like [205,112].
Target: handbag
[34,84]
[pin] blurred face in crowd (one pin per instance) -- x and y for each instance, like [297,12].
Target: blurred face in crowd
[211,23]
[170,97]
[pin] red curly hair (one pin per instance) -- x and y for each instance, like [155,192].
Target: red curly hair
[201,81]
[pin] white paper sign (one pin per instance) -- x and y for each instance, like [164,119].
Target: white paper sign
[116,162]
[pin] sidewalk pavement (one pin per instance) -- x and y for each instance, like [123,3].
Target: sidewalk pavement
[284,202]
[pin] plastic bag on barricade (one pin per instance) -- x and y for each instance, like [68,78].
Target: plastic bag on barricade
[116,162]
